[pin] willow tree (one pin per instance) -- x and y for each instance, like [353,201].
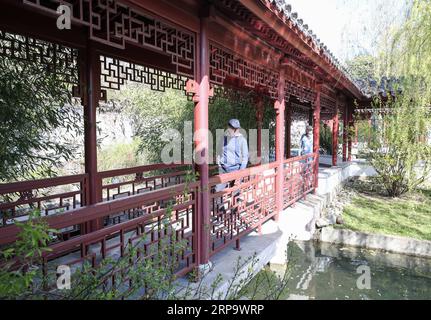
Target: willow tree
[400,150]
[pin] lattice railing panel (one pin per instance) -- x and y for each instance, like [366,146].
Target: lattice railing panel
[161,224]
[49,196]
[114,23]
[240,203]
[298,178]
[165,224]
[131,181]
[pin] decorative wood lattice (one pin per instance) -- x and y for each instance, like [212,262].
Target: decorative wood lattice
[116,73]
[328,99]
[115,24]
[233,94]
[303,94]
[53,58]
[299,84]
[300,112]
[225,65]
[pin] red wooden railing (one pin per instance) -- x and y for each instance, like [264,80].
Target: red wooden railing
[50,196]
[246,202]
[126,182]
[59,195]
[134,206]
[298,178]
[149,221]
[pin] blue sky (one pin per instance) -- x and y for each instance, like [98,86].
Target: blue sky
[349,27]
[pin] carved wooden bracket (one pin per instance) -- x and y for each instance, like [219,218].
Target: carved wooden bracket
[192,87]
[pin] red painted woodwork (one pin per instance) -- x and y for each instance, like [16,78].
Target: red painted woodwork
[280,107]
[350,134]
[345,131]
[146,214]
[91,84]
[299,179]
[288,135]
[248,201]
[131,25]
[201,142]
[44,195]
[116,73]
[130,181]
[316,135]
[335,132]
[259,122]
[225,64]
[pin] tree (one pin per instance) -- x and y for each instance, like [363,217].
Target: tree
[326,138]
[34,104]
[399,151]
[154,113]
[362,67]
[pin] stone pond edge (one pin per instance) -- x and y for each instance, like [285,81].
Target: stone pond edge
[395,244]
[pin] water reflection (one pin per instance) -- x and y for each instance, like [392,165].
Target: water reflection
[330,272]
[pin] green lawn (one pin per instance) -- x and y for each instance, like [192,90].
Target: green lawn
[409,216]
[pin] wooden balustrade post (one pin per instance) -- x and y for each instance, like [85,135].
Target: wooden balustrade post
[345,134]
[279,106]
[89,61]
[201,99]
[335,128]
[350,135]
[310,117]
[316,135]
[288,123]
[259,122]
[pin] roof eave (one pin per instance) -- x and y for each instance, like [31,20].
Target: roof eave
[259,9]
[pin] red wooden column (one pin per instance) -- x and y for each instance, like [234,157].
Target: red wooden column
[316,135]
[350,136]
[90,71]
[279,106]
[335,131]
[310,116]
[201,140]
[345,129]
[259,122]
[288,123]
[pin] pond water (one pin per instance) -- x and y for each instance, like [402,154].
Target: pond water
[330,272]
